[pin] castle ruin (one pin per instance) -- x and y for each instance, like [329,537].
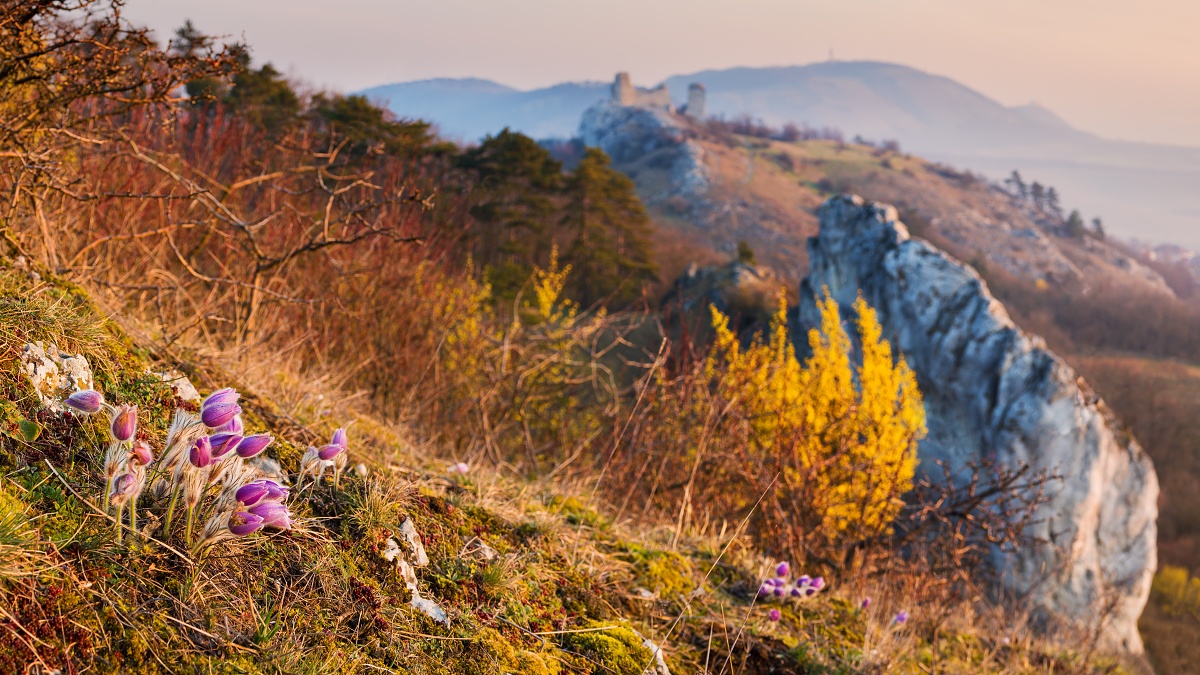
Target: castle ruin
[624,93]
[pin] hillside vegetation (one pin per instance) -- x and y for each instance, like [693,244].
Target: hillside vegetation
[493,460]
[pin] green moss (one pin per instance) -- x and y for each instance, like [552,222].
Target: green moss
[666,573]
[608,649]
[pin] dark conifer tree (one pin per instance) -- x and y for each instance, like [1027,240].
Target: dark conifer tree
[610,251]
[516,183]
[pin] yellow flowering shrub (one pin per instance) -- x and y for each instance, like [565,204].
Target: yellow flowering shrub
[838,434]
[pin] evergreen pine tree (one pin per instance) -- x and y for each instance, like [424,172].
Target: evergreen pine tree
[1052,205]
[610,252]
[516,186]
[264,96]
[1075,225]
[1098,228]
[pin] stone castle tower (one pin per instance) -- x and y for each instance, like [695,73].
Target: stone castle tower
[624,93]
[696,105]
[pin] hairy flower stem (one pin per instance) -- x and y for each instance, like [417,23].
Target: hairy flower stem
[120,513]
[171,510]
[191,517]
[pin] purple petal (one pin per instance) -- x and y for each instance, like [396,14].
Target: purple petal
[765,589]
[804,580]
[87,401]
[796,592]
[774,615]
[223,442]
[273,514]
[123,484]
[783,569]
[252,445]
[220,397]
[242,523]
[330,451]
[818,583]
[200,454]
[124,423]
[251,493]
[866,602]
[901,616]
[339,438]
[275,491]
[778,591]
[219,414]
[141,453]
[233,426]
[809,592]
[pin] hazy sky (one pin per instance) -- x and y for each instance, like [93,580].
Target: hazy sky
[1118,68]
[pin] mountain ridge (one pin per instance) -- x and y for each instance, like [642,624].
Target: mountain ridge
[1139,189]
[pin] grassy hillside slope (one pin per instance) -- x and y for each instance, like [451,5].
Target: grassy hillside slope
[532,578]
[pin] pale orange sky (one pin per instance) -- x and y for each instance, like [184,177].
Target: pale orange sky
[1118,68]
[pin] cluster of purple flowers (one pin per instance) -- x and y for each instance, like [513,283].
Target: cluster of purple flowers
[332,455]
[242,510]
[781,587]
[204,454]
[126,459]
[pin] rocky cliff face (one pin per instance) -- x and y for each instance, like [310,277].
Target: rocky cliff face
[627,132]
[995,392]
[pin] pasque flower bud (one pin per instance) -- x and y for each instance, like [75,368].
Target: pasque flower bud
[124,423]
[87,401]
[252,445]
[201,454]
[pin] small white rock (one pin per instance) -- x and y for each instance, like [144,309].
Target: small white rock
[413,540]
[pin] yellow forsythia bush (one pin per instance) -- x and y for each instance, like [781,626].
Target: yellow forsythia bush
[1176,592]
[840,433]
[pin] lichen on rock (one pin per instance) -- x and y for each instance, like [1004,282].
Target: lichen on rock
[55,374]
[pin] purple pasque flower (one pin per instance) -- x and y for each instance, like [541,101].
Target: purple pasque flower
[866,602]
[254,444]
[223,442]
[797,591]
[777,591]
[124,484]
[766,589]
[330,451]
[219,414]
[901,617]
[233,426]
[804,580]
[87,401]
[817,583]
[242,523]
[124,423]
[140,452]
[260,491]
[459,467]
[201,454]
[221,397]
[774,614]
[273,514]
[783,569]
[339,438]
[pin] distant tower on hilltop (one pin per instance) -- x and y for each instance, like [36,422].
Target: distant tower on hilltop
[696,105]
[624,93]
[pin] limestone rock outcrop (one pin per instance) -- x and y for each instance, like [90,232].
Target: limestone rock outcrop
[627,132]
[994,392]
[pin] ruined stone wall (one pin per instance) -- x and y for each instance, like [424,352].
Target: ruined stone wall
[624,93]
[696,104]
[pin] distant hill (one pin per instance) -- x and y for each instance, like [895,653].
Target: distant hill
[1139,189]
[469,109]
